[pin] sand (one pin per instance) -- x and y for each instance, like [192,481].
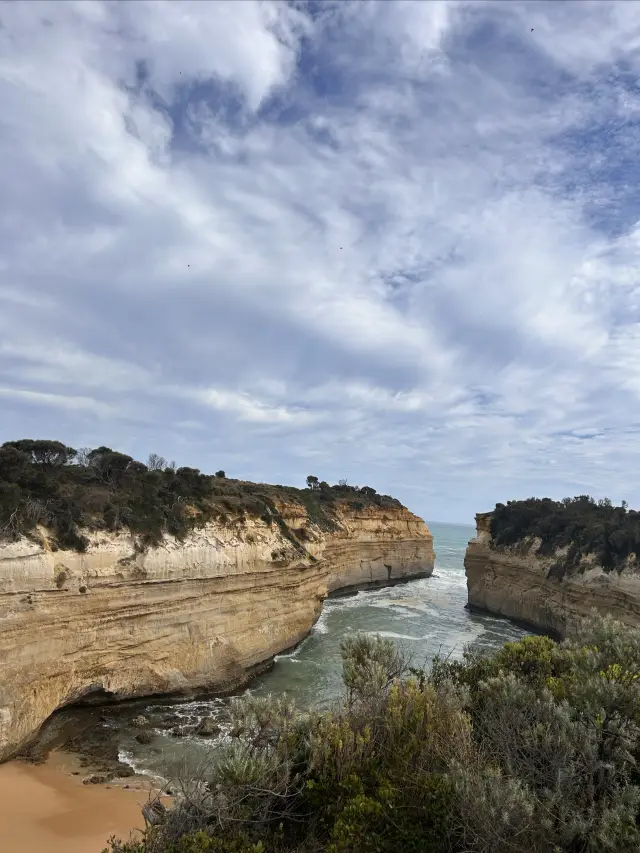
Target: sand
[43,809]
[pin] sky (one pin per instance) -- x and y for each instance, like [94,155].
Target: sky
[396,243]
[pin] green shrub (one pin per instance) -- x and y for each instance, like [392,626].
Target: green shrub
[533,749]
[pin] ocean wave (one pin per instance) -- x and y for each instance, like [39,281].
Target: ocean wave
[292,655]
[126,757]
[392,635]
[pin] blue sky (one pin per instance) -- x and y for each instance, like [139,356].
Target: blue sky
[391,242]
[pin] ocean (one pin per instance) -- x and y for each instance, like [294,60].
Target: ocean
[424,617]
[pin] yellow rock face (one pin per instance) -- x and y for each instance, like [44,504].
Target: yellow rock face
[515,586]
[185,616]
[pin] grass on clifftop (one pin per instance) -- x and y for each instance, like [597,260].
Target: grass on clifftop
[582,530]
[533,749]
[69,491]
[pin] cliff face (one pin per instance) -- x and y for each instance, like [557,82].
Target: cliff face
[199,614]
[516,585]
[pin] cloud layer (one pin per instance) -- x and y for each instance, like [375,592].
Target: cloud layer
[392,242]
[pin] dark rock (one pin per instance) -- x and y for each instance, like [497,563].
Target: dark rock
[94,780]
[140,721]
[208,727]
[123,771]
[176,731]
[144,738]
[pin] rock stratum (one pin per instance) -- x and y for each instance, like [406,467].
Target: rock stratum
[515,582]
[184,616]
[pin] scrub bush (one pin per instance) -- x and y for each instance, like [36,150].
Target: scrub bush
[532,749]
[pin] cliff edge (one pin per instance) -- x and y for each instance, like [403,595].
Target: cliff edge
[524,582]
[115,618]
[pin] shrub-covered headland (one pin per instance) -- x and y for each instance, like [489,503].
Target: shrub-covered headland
[72,492]
[578,531]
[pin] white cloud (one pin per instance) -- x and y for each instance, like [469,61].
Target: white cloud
[248,408]
[70,403]
[395,241]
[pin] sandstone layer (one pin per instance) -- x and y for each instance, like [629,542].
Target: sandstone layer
[516,585]
[113,623]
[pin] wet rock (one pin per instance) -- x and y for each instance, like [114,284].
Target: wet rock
[94,780]
[140,721]
[144,738]
[176,731]
[123,771]
[208,727]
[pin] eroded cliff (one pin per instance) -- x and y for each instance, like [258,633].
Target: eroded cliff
[117,622]
[516,582]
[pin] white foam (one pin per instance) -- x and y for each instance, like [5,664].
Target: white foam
[321,626]
[125,757]
[293,654]
[391,635]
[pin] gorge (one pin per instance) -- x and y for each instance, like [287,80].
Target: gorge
[201,613]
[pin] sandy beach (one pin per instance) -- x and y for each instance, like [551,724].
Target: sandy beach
[43,809]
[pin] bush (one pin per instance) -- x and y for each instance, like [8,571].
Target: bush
[530,750]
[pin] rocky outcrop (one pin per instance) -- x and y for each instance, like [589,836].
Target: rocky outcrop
[509,582]
[201,614]
[377,548]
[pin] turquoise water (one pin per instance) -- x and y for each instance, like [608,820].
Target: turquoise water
[424,617]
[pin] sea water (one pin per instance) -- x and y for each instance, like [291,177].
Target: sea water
[424,617]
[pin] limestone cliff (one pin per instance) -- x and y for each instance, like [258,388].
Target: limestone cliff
[200,614]
[510,583]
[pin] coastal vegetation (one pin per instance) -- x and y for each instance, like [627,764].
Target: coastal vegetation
[533,749]
[577,532]
[74,492]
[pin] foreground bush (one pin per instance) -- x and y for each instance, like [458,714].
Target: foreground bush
[531,750]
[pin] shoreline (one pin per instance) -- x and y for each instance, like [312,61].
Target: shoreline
[46,801]
[47,807]
[531,627]
[99,757]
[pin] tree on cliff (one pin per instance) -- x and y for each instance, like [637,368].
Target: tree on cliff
[156,463]
[42,452]
[110,464]
[312,482]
